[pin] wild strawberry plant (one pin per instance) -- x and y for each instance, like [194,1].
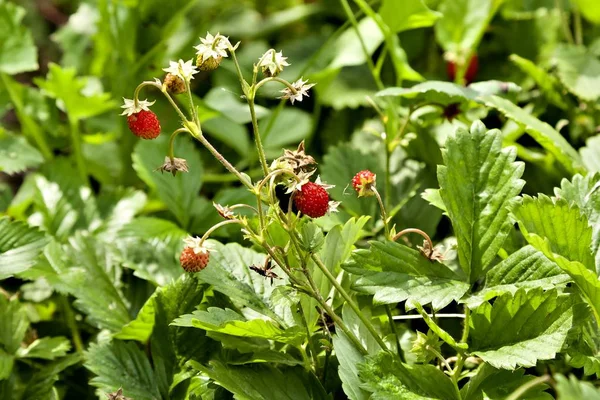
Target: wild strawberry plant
[408,223]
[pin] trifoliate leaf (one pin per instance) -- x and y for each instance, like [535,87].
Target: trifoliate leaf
[119,364]
[20,246]
[404,15]
[17,50]
[526,268]
[578,70]
[544,134]
[479,184]
[90,271]
[393,273]
[539,324]
[574,389]
[62,85]
[388,378]
[16,155]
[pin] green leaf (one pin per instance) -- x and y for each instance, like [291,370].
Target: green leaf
[590,10]
[479,184]
[16,155]
[539,324]
[17,50]
[47,348]
[404,15]
[231,107]
[590,154]
[442,334]
[583,192]
[578,70]
[41,382]
[6,365]
[527,268]
[264,382]
[393,273]
[177,192]
[229,274]
[544,134]
[444,93]
[89,270]
[349,358]
[20,247]
[388,378]
[463,23]
[490,383]
[117,207]
[291,125]
[119,364]
[62,85]
[348,47]
[547,83]
[141,327]
[574,389]
[13,324]
[231,323]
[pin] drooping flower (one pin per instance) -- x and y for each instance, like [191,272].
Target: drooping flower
[300,89]
[132,108]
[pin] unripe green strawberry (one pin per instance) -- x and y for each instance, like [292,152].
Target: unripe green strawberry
[144,124]
[209,64]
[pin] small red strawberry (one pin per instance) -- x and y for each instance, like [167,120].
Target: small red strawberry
[312,199]
[192,262]
[364,182]
[195,254]
[144,124]
[470,73]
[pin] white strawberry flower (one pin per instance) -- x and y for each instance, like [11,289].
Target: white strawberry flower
[332,206]
[300,89]
[212,47]
[131,108]
[195,243]
[272,62]
[184,70]
[303,178]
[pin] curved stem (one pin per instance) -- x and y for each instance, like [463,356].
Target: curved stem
[142,85]
[275,79]
[521,390]
[172,142]
[175,106]
[217,226]
[413,230]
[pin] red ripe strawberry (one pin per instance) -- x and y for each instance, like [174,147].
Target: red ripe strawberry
[192,262]
[144,124]
[312,199]
[469,74]
[363,182]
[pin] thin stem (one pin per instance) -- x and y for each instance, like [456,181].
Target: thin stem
[72,324]
[521,390]
[383,212]
[564,19]
[370,64]
[440,357]
[191,100]
[175,106]
[310,346]
[217,226]
[198,136]
[257,139]
[577,26]
[388,311]
[172,142]
[349,301]
[419,316]
[414,230]
[77,151]
[274,79]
